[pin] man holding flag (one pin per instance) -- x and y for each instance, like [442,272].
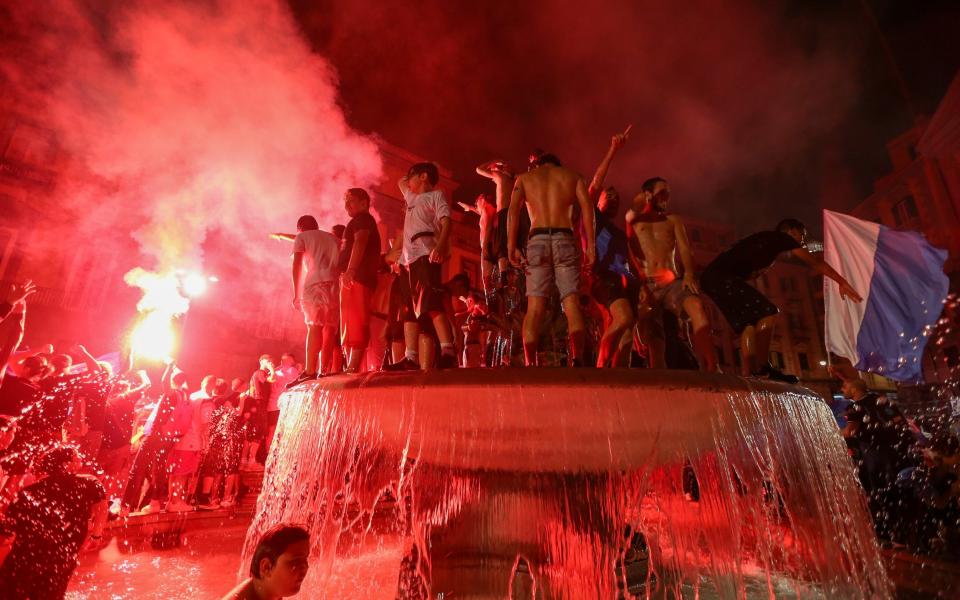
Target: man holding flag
[750,313]
[901,276]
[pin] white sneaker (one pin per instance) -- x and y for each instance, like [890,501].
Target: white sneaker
[151,509]
[229,503]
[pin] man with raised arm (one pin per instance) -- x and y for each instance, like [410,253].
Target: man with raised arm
[553,252]
[613,286]
[426,244]
[487,211]
[659,237]
[749,312]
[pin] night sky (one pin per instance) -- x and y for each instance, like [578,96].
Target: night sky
[752,110]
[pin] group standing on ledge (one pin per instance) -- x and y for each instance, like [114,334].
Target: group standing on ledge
[548,233]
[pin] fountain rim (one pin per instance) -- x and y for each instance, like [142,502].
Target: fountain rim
[511,377]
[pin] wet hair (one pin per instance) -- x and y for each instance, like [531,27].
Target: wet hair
[339,230]
[275,542]
[790,225]
[651,183]
[360,194]
[307,223]
[264,357]
[221,388]
[547,159]
[433,173]
[35,365]
[56,460]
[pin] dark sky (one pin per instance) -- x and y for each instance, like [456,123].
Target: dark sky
[753,110]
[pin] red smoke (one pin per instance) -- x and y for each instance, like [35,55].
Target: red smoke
[194,127]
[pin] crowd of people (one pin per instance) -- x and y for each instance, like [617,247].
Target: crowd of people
[81,445]
[550,244]
[79,442]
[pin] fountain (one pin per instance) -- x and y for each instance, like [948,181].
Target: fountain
[568,483]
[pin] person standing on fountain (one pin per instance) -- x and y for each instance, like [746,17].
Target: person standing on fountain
[426,244]
[318,252]
[750,313]
[279,565]
[553,253]
[487,212]
[613,286]
[359,262]
[659,238]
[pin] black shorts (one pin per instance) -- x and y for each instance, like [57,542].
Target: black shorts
[401,306]
[740,302]
[608,287]
[426,289]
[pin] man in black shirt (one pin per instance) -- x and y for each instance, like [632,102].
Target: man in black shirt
[749,312]
[359,261]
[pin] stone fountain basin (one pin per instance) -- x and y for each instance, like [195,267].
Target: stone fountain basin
[540,420]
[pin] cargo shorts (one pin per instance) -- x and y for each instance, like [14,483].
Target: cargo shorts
[553,261]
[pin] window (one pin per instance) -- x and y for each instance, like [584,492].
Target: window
[905,211]
[472,269]
[804,361]
[795,322]
[776,359]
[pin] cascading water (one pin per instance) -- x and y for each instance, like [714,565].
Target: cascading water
[563,483]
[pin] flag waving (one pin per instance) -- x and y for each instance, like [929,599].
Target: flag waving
[900,276]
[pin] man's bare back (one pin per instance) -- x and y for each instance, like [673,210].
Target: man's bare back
[550,193]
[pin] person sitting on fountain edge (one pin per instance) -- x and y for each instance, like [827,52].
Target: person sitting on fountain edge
[319,252]
[553,253]
[279,566]
[426,244]
[749,312]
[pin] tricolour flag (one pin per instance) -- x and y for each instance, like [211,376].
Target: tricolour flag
[900,276]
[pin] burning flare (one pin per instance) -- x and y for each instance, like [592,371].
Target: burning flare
[153,336]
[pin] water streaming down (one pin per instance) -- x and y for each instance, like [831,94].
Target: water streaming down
[563,483]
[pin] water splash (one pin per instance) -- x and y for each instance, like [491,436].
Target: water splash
[557,483]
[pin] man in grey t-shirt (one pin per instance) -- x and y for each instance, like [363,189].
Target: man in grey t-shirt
[319,252]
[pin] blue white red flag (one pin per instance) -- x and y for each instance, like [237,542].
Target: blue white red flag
[900,276]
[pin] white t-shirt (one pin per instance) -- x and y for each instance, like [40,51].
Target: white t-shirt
[321,251]
[424,212]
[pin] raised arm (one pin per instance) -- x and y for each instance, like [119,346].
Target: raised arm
[513,221]
[586,215]
[686,255]
[403,185]
[469,207]
[820,266]
[596,184]
[92,365]
[283,237]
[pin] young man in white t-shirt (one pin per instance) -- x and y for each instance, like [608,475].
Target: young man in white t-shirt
[426,244]
[318,252]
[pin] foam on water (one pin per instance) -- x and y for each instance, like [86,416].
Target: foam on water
[534,483]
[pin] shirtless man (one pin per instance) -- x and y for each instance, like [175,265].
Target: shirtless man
[487,212]
[658,237]
[499,173]
[553,253]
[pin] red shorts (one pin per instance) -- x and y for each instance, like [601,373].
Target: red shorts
[355,315]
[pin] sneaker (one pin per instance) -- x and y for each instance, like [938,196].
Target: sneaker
[228,503]
[448,361]
[768,372]
[302,378]
[212,505]
[179,506]
[404,365]
[151,509]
